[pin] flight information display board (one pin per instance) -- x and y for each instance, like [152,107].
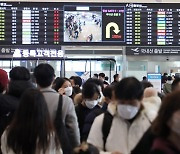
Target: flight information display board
[56,23]
[153,24]
[30,23]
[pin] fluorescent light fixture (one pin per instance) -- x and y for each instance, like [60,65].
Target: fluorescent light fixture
[82,8]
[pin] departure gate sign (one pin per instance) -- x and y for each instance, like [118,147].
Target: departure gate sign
[57,23]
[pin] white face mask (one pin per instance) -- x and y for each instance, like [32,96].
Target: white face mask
[91,104]
[176,126]
[68,91]
[127,111]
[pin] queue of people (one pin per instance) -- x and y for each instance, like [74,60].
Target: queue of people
[66,116]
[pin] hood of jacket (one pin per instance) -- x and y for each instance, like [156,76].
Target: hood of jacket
[17,87]
[151,106]
[154,100]
[112,108]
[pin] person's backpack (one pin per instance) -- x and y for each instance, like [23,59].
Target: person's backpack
[62,130]
[106,126]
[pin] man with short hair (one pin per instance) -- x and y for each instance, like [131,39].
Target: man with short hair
[44,74]
[116,79]
[101,76]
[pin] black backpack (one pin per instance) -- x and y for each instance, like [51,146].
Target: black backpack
[62,130]
[106,126]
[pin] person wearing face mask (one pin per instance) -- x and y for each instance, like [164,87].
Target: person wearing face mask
[76,83]
[90,100]
[63,86]
[108,97]
[129,120]
[61,110]
[166,127]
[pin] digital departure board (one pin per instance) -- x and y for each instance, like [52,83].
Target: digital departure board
[153,24]
[30,23]
[55,24]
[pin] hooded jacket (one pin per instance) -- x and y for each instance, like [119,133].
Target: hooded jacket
[123,135]
[151,106]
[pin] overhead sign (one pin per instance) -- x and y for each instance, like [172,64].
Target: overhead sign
[31,52]
[152,51]
[108,27]
[76,23]
[155,79]
[113,24]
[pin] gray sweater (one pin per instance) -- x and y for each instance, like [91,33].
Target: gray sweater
[68,113]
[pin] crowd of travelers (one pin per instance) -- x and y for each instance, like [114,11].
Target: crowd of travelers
[57,115]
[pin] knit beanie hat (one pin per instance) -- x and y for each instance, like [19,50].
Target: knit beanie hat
[3,78]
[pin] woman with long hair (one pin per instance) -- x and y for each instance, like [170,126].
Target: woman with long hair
[31,131]
[166,126]
[63,86]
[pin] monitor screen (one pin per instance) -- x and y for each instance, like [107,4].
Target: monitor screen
[83,25]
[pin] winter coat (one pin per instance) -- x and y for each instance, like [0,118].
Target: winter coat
[10,102]
[152,105]
[82,113]
[89,121]
[167,87]
[68,113]
[145,143]
[123,136]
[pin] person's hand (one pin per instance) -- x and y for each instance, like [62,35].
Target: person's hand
[116,152]
[61,91]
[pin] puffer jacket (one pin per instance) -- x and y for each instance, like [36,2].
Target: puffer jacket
[152,105]
[123,135]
